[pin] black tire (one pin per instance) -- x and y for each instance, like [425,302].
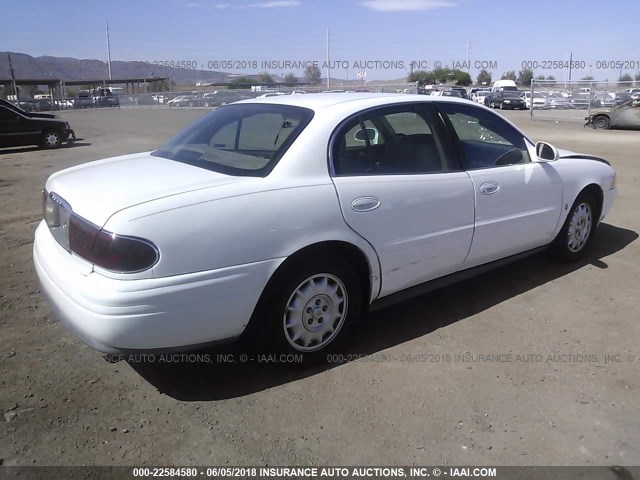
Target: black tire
[51,139]
[575,235]
[276,320]
[602,122]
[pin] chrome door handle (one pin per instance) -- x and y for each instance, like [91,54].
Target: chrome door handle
[489,188]
[365,204]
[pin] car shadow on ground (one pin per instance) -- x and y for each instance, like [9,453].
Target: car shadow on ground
[9,151]
[220,373]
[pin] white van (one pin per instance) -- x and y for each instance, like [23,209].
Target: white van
[500,85]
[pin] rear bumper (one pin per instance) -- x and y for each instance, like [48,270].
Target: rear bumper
[175,313]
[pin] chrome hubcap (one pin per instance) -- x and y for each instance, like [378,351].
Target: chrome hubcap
[315,312]
[51,139]
[579,227]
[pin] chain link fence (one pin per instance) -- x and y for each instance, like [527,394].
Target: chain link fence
[203,97]
[575,100]
[219,97]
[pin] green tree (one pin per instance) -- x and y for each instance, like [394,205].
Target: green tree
[264,77]
[312,74]
[551,77]
[637,77]
[625,77]
[443,75]
[524,77]
[540,77]
[484,78]
[462,78]
[423,77]
[510,75]
[290,78]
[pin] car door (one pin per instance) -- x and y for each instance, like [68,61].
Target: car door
[14,129]
[627,115]
[400,188]
[517,202]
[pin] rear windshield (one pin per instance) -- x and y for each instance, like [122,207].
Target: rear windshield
[241,140]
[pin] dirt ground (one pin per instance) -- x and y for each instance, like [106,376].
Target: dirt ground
[532,364]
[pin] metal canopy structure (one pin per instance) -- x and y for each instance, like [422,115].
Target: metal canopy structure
[57,86]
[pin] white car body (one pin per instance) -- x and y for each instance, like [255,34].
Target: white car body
[179,100]
[221,237]
[539,101]
[481,96]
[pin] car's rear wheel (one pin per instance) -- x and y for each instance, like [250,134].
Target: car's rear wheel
[602,122]
[51,139]
[571,243]
[312,307]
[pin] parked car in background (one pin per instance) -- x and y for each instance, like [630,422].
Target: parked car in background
[506,100]
[581,101]
[613,99]
[481,96]
[104,97]
[63,104]
[223,97]
[447,93]
[473,91]
[557,101]
[462,91]
[625,116]
[19,128]
[221,235]
[181,101]
[539,100]
[83,100]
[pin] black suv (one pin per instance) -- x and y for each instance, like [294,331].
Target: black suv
[18,128]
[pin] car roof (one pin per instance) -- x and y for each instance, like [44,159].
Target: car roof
[320,101]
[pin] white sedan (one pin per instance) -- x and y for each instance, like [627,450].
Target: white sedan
[481,96]
[288,217]
[539,100]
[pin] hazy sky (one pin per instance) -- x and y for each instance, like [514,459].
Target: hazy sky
[505,32]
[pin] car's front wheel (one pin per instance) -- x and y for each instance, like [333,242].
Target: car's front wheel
[602,122]
[312,307]
[51,139]
[578,228]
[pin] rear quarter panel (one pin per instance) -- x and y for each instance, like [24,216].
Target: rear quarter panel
[195,232]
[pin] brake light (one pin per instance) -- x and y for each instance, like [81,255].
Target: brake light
[108,250]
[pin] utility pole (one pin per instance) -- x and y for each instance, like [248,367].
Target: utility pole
[328,68]
[109,50]
[13,79]
[468,65]
[570,66]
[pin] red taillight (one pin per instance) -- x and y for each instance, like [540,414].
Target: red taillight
[108,250]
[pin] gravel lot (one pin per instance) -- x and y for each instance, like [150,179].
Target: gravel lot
[551,397]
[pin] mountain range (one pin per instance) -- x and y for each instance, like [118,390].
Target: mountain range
[73,69]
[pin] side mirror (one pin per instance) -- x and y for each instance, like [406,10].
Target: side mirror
[370,133]
[546,152]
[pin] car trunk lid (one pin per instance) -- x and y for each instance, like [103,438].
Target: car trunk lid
[97,190]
